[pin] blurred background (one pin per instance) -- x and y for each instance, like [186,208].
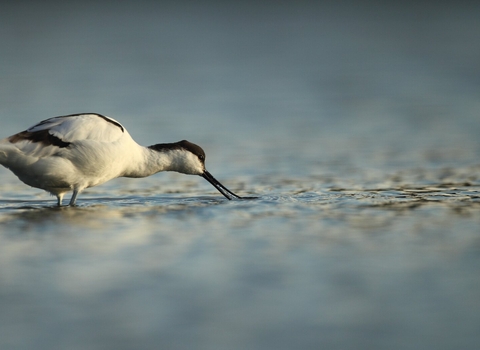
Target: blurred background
[357,124]
[321,74]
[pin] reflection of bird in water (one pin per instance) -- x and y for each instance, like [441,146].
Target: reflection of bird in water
[74,152]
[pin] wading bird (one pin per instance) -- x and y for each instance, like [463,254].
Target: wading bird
[77,151]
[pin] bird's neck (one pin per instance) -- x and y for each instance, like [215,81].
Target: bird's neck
[150,162]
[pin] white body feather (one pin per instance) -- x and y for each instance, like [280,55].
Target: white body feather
[99,149]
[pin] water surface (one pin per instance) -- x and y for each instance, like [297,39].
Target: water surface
[356,127]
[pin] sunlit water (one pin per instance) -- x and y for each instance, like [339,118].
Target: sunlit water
[356,129]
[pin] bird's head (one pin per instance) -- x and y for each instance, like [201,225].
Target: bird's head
[189,158]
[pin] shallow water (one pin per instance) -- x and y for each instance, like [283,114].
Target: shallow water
[356,128]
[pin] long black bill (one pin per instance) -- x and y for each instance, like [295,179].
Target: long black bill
[222,189]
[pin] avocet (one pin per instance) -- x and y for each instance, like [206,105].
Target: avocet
[77,151]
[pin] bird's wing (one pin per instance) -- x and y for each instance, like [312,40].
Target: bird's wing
[51,135]
[80,127]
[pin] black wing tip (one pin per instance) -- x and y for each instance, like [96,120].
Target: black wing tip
[108,119]
[42,136]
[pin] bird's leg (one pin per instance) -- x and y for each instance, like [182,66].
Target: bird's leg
[59,199]
[74,198]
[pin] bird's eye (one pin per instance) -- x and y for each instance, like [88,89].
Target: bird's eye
[201,157]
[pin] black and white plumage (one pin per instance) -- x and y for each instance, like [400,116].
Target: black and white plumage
[74,152]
